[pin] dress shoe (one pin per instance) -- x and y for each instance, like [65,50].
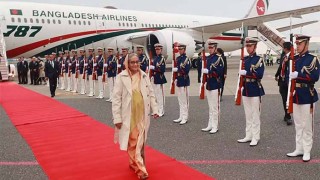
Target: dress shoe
[306,157]
[213,131]
[177,120]
[244,140]
[90,95]
[52,95]
[162,114]
[74,91]
[289,122]
[183,121]
[254,142]
[295,154]
[206,129]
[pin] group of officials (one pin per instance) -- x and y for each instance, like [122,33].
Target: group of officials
[72,69]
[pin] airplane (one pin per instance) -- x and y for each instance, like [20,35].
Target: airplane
[37,29]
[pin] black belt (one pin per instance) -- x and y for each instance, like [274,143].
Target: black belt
[302,85]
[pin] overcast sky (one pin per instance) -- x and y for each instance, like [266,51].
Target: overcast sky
[223,8]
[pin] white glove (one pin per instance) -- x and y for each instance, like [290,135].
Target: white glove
[243,72]
[119,66]
[77,65]
[151,67]
[175,69]
[105,65]
[63,65]
[95,64]
[69,64]
[86,64]
[293,75]
[205,71]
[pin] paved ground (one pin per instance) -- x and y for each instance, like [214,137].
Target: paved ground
[218,155]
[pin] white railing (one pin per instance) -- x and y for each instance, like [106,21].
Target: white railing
[4,61]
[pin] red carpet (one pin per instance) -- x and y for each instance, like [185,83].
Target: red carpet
[71,145]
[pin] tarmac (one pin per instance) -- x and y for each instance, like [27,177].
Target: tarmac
[218,155]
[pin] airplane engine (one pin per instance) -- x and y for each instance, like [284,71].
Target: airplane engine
[167,37]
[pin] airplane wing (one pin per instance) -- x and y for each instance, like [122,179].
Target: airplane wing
[254,21]
[286,28]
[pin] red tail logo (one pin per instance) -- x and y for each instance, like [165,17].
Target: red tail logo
[261,8]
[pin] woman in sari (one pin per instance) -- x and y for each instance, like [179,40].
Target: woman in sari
[132,101]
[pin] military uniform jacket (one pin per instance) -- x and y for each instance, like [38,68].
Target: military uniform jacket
[112,66]
[122,59]
[67,64]
[252,86]
[215,71]
[159,64]
[183,65]
[61,62]
[144,62]
[100,62]
[307,66]
[90,65]
[74,64]
[81,64]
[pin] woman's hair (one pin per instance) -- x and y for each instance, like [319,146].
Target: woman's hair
[219,50]
[131,55]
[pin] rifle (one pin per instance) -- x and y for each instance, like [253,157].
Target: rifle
[69,66]
[62,63]
[151,59]
[174,65]
[118,58]
[94,61]
[104,62]
[204,65]
[292,82]
[84,62]
[241,67]
[77,67]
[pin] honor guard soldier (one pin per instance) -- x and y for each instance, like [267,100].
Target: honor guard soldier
[158,78]
[144,61]
[61,70]
[100,64]
[305,75]
[182,83]
[90,71]
[33,66]
[214,71]
[68,70]
[282,76]
[111,66]
[252,91]
[122,59]
[74,67]
[81,60]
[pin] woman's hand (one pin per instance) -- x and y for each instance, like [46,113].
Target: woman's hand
[119,125]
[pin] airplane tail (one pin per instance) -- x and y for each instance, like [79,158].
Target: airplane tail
[258,8]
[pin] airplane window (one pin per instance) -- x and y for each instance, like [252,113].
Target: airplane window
[54,21]
[12,20]
[59,22]
[25,20]
[135,25]
[119,23]
[19,20]
[149,25]
[48,21]
[84,22]
[42,21]
[152,25]
[69,21]
[156,25]
[89,23]
[131,24]
[142,25]
[127,24]
[75,22]
[159,25]
[123,24]
[79,22]
[37,20]
[31,20]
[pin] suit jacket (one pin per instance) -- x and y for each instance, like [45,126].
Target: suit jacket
[52,72]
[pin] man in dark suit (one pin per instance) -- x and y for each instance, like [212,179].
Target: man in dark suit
[282,76]
[19,67]
[24,70]
[52,73]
